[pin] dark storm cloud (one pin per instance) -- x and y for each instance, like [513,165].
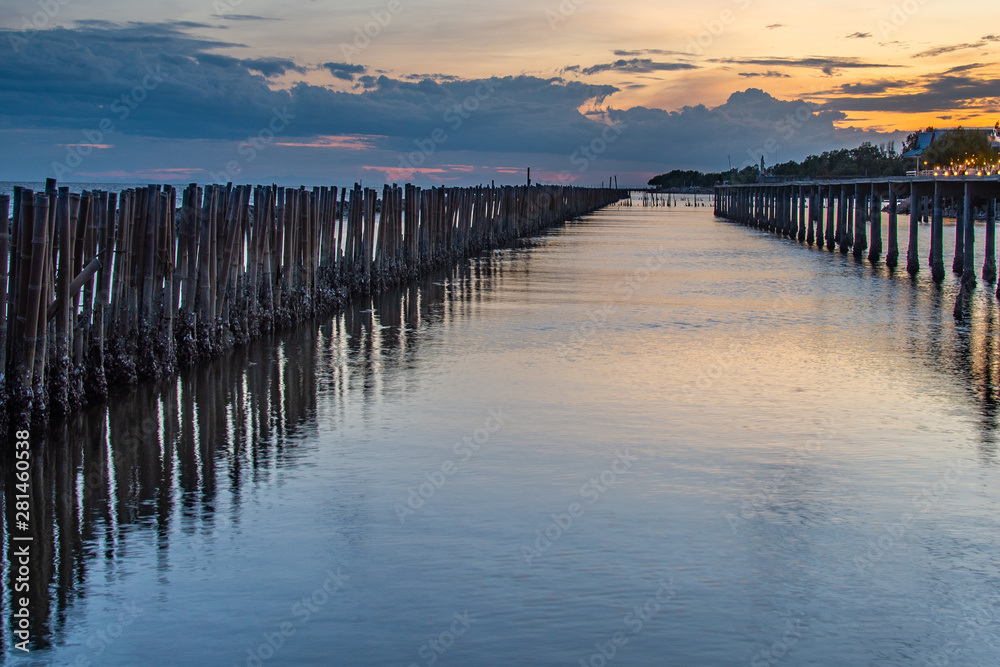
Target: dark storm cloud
[67,80]
[747,124]
[859,35]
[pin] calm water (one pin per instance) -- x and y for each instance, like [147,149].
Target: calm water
[755,453]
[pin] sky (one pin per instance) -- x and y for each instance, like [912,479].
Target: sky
[445,92]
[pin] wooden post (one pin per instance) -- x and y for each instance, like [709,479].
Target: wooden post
[98,385]
[59,396]
[39,407]
[19,382]
[206,316]
[32,295]
[90,217]
[4,254]
[168,360]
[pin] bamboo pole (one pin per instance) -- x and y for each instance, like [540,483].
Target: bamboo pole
[206,317]
[20,382]
[31,297]
[59,396]
[4,266]
[127,281]
[168,260]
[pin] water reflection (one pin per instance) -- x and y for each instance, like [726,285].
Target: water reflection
[160,455]
[185,458]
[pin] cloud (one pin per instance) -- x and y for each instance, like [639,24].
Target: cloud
[827,65]
[770,74]
[349,142]
[207,104]
[621,53]
[157,175]
[243,17]
[633,65]
[433,77]
[70,78]
[744,126]
[952,90]
[775,26]
[951,48]
[859,35]
[874,87]
[344,71]
[271,66]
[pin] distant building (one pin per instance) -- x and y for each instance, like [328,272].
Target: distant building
[925,139]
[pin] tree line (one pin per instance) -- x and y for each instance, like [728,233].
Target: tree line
[951,148]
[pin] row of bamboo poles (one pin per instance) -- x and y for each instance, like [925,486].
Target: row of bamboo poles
[104,288]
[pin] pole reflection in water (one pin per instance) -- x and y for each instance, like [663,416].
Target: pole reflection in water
[162,455]
[199,512]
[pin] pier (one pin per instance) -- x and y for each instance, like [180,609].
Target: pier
[100,288]
[847,215]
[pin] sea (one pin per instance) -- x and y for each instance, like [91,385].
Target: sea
[648,437]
